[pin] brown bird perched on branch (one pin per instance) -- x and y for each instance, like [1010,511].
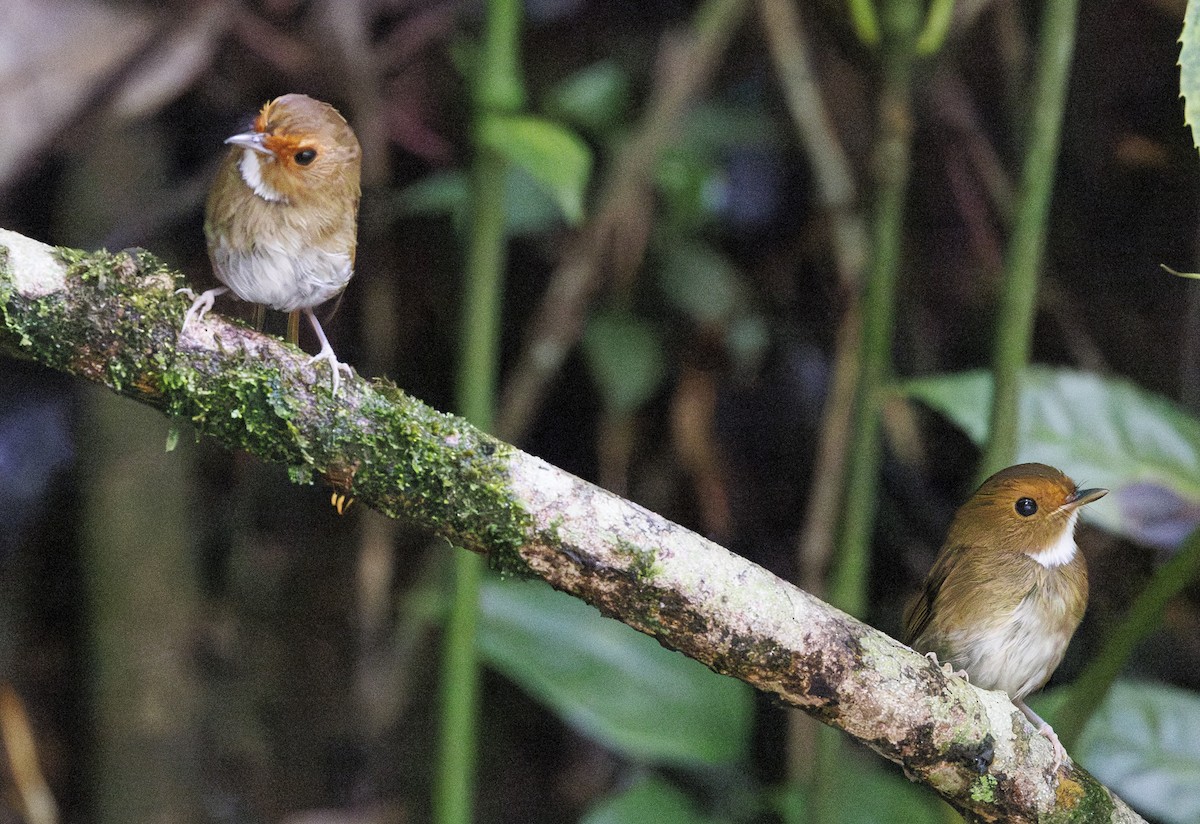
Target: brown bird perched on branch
[1009,586]
[281,218]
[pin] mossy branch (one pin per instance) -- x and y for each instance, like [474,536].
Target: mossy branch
[114,319]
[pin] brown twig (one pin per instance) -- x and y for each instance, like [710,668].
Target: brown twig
[783,28]
[20,745]
[785,35]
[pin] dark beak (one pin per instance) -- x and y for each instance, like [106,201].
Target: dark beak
[1086,496]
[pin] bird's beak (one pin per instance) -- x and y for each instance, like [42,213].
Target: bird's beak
[249,140]
[1086,496]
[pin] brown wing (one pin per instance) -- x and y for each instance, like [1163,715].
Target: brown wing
[920,611]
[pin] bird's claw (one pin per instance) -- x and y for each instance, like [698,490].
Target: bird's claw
[326,353]
[335,366]
[340,501]
[1060,752]
[948,668]
[1046,731]
[200,305]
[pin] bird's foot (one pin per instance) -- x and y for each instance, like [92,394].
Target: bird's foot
[335,365]
[1060,752]
[1047,732]
[200,305]
[948,668]
[326,353]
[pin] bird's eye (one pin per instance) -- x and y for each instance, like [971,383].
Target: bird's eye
[1026,507]
[305,156]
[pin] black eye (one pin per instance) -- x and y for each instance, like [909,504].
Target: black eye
[1026,506]
[305,156]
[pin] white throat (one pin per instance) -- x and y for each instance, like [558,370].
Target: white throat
[1063,550]
[251,168]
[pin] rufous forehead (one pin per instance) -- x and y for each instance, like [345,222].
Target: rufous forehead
[284,144]
[264,117]
[263,123]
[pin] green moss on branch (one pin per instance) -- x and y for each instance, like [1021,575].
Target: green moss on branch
[117,322]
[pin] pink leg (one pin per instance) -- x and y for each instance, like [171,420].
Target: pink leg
[1047,732]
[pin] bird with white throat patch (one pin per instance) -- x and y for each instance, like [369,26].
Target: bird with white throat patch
[1009,586]
[282,215]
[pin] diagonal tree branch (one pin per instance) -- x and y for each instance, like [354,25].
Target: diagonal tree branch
[114,319]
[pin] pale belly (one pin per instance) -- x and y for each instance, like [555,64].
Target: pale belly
[282,279]
[1016,654]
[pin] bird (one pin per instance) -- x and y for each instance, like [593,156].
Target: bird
[1009,586]
[282,213]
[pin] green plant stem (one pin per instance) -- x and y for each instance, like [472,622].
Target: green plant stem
[865,21]
[1019,289]
[484,285]
[847,589]
[783,27]
[848,580]
[498,85]
[936,27]
[1144,617]
[497,90]
[454,791]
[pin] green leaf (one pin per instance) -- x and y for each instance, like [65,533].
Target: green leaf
[593,99]
[435,194]
[867,793]
[554,156]
[528,208]
[1189,69]
[1144,743]
[651,799]
[689,183]
[625,358]
[702,283]
[611,682]
[1100,431]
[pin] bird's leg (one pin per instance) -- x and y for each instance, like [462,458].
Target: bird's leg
[326,353]
[947,667]
[1047,732]
[200,305]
